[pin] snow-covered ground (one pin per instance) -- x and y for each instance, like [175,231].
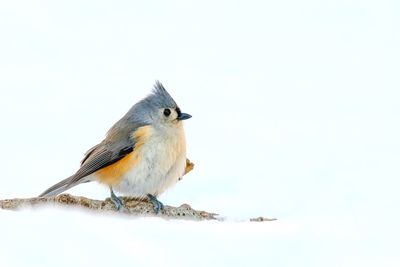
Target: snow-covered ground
[295,110]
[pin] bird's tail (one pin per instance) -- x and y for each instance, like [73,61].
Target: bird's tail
[58,188]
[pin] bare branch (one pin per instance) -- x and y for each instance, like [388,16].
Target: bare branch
[133,206]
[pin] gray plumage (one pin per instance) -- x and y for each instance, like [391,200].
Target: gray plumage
[119,141]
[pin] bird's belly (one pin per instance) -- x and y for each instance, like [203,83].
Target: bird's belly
[160,164]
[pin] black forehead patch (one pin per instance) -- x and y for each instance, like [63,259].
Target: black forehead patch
[178,111]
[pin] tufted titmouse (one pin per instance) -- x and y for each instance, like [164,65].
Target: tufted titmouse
[143,154]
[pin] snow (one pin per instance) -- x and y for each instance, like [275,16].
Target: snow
[54,237]
[295,116]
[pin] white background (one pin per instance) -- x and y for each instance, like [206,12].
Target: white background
[295,110]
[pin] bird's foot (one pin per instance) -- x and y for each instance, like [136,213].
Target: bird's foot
[119,204]
[157,205]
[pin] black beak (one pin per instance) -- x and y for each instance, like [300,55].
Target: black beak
[183,116]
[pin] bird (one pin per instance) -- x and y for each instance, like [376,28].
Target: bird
[142,155]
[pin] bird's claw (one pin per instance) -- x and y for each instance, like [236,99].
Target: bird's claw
[119,204]
[157,205]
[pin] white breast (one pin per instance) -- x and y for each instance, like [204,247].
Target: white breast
[162,162]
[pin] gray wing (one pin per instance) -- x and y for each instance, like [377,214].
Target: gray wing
[99,158]
[102,157]
[115,147]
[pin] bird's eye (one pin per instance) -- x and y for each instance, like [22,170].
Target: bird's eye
[167,112]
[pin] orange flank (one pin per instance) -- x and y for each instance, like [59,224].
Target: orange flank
[141,135]
[112,174]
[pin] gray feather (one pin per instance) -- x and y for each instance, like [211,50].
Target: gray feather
[160,97]
[119,141]
[99,158]
[56,189]
[89,152]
